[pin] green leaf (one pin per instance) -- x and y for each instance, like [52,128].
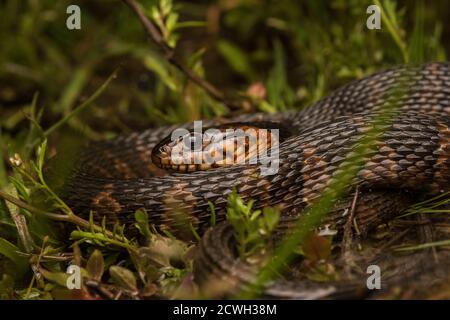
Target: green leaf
[252,229]
[271,217]
[41,155]
[236,58]
[59,278]
[194,232]
[389,18]
[10,251]
[20,187]
[73,89]
[255,215]
[155,15]
[142,225]
[279,92]
[123,277]
[171,22]
[417,42]
[213,213]
[266,107]
[165,7]
[95,265]
[159,66]
[190,24]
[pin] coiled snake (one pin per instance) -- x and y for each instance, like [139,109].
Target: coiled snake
[410,158]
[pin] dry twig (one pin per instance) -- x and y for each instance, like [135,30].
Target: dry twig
[155,34]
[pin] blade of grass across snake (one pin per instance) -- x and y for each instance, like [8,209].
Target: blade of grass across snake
[337,188]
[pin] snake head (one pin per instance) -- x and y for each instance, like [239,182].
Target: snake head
[213,147]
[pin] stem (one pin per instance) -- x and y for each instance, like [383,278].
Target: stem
[393,31]
[100,237]
[69,217]
[26,206]
[154,33]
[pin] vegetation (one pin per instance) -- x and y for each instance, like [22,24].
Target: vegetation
[253,229]
[60,87]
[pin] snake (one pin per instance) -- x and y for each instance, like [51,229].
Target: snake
[407,160]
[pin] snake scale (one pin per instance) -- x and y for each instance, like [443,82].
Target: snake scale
[411,158]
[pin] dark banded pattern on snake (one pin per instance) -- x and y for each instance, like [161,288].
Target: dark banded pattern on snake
[115,178]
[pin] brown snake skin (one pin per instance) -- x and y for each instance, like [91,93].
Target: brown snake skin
[410,159]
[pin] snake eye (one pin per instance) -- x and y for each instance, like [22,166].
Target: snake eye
[192,142]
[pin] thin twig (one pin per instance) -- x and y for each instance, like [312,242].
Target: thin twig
[347,237]
[35,267]
[348,224]
[155,34]
[47,258]
[21,204]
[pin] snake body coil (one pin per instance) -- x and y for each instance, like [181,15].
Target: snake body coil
[410,157]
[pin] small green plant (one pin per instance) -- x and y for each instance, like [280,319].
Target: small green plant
[252,228]
[163,260]
[166,18]
[158,267]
